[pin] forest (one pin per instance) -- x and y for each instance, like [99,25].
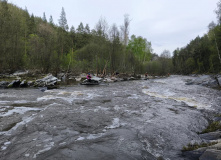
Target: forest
[28,42]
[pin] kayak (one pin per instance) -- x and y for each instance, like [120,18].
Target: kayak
[92,82]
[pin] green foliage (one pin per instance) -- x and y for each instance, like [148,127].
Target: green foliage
[201,55]
[140,47]
[190,64]
[191,147]
[29,42]
[214,126]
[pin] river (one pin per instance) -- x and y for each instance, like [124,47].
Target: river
[144,119]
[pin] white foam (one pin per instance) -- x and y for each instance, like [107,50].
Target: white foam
[27,155]
[19,110]
[117,108]
[90,137]
[4,102]
[134,96]
[100,108]
[5,146]
[94,136]
[47,147]
[51,97]
[63,143]
[80,139]
[21,101]
[189,101]
[115,124]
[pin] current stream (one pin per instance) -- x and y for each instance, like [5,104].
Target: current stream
[130,120]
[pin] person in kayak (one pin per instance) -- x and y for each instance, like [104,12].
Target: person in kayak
[89,77]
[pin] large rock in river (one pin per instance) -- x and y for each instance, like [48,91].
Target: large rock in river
[49,81]
[24,83]
[14,83]
[3,84]
[204,80]
[211,154]
[218,77]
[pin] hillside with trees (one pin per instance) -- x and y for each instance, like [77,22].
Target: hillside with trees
[202,54]
[35,43]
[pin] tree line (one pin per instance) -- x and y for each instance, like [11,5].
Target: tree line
[30,42]
[202,54]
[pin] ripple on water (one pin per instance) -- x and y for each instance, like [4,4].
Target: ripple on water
[189,101]
[19,110]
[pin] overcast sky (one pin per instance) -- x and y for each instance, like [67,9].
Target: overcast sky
[167,24]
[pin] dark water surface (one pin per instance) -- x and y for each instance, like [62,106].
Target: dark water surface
[120,121]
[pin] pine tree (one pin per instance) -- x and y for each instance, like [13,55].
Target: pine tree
[63,21]
[44,17]
[51,20]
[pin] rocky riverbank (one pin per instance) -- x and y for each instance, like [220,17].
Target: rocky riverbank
[213,81]
[20,81]
[210,146]
[24,79]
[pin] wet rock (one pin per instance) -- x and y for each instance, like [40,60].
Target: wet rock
[42,89]
[14,83]
[78,79]
[4,84]
[195,154]
[30,83]
[124,79]
[211,135]
[48,81]
[217,119]
[109,80]
[20,73]
[211,154]
[9,122]
[204,80]
[24,83]
[218,77]
[132,78]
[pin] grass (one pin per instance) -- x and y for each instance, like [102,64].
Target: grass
[191,147]
[214,126]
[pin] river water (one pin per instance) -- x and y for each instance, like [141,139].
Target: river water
[145,119]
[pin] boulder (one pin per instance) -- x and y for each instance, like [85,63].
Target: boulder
[204,80]
[124,79]
[218,77]
[132,78]
[30,83]
[217,119]
[78,79]
[109,80]
[4,84]
[48,81]
[24,83]
[195,154]
[20,73]
[14,83]
[211,154]
[211,135]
